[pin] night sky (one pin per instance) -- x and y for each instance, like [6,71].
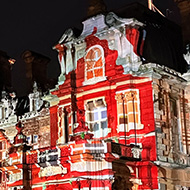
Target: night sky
[38,25]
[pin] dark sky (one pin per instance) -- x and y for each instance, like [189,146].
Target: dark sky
[38,24]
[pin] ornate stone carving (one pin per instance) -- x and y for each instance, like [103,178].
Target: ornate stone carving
[112,19]
[131,95]
[67,36]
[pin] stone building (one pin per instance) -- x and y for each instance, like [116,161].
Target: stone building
[118,117]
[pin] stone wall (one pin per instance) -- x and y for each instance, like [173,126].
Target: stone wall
[171,120]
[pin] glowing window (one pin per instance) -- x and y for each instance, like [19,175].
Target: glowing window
[128,109]
[94,65]
[121,109]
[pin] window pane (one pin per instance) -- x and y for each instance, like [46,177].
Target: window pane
[29,139]
[89,75]
[91,127]
[99,103]
[90,106]
[42,159]
[104,114]
[91,118]
[96,116]
[88,116]
[89,65]
[96,127]
[98,72]
[53,158]
[35,138]
[104,124]
[89,54]
[98,63]
[121,120]
[173,107]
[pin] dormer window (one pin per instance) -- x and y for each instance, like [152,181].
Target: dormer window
[94,65]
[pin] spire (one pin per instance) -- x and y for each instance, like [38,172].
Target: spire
[187,56]
[96,7]
[152,7]
[150,4]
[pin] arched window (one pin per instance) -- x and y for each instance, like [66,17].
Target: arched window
[94,65]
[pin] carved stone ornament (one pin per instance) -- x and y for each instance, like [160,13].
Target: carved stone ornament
[67,36]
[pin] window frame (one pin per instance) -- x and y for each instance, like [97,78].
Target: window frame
[101,131]
[137,125]
[175,119]
[94,79]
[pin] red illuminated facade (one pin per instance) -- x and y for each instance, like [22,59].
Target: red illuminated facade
[113,122]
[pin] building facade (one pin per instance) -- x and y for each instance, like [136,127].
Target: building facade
[114,121]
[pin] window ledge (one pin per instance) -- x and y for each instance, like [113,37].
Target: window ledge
[130,126]
[94,80]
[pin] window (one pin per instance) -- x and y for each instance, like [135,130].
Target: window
[122,109]
[176,124]
[96,117]
[32,139]
[35,138]
[65,123]
[94,65]
[29,139]
[48,157]
[128,110]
